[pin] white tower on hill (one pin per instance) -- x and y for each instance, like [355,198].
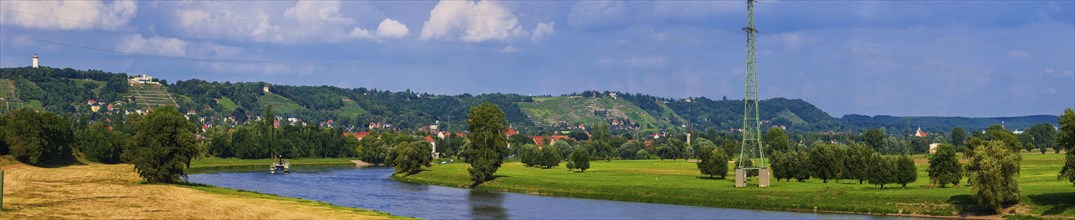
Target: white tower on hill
[35,60]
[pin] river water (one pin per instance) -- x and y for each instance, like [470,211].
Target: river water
[372,188]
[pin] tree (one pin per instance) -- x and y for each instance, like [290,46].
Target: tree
[776,140]
[601,142]
[629,150]
[874,138]
[779,161]
[581,158]
[550,156]
[1042,136]
[162,146]
[856,163]
[38,138]
[905,171]
[712,161]
[997,132]
[411,156]
[825,162]
[996,182]
[488,146]
[642,154]
[882,170]
[528,154]
[957,138]
[1066,140]
[100,144]
[944,167]
[799,165]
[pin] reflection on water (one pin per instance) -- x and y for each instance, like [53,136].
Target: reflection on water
[371,188]
[487,205]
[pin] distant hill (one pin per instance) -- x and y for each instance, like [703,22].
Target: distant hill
[67,91]
[936,124]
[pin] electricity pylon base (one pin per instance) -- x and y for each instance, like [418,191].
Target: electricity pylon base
[763,177]
[740,178]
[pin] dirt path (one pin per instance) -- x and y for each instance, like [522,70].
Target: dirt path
[113,191]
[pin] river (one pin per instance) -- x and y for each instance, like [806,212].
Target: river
[372,188]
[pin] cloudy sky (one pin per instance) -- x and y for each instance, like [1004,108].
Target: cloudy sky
[918,58]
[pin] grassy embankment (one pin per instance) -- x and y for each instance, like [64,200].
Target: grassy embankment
[96,191]
[214,164]
[679,182]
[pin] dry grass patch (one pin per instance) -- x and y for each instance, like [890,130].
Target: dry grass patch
[114,191]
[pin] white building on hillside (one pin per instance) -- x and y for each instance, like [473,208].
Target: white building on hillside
[35,60]
[142,79]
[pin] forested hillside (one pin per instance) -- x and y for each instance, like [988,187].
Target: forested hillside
[68,90]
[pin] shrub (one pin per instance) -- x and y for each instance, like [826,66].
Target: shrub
[100,144]
[38,138]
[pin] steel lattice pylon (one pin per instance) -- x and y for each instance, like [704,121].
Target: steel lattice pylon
[751,146]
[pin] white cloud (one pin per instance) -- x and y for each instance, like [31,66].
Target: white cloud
[509,49]
[136,44]
[174,47]
[1019,54]
[68,15]
[542,31]
[391,29]
[305,21]
[476,22]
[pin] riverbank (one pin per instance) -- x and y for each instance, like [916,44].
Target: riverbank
[98,191]
[679,182]
[214,164]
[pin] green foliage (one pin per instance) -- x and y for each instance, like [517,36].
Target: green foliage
[1041,136]
[98,143]
[529,155]
[488,146]
[776,140]
[826,161]
[372,149]
[883,170]
[580,158]
[643,154]
[799,165]
[996,180]
[747,162]
[957,138]
[162,146]
[550,157]
[874,138]
[712,161]
[997,132]
[38,138]
[411,156]
[630,150]
[1066,140]
[905,171]
[601,142]
[780,164]
[856,162]
[944,167]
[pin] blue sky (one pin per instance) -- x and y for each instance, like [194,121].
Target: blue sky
[904,58]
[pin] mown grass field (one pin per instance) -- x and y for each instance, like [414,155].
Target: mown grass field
[679,182]
[100,191]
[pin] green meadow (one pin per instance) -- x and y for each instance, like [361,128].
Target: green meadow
[680,182]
